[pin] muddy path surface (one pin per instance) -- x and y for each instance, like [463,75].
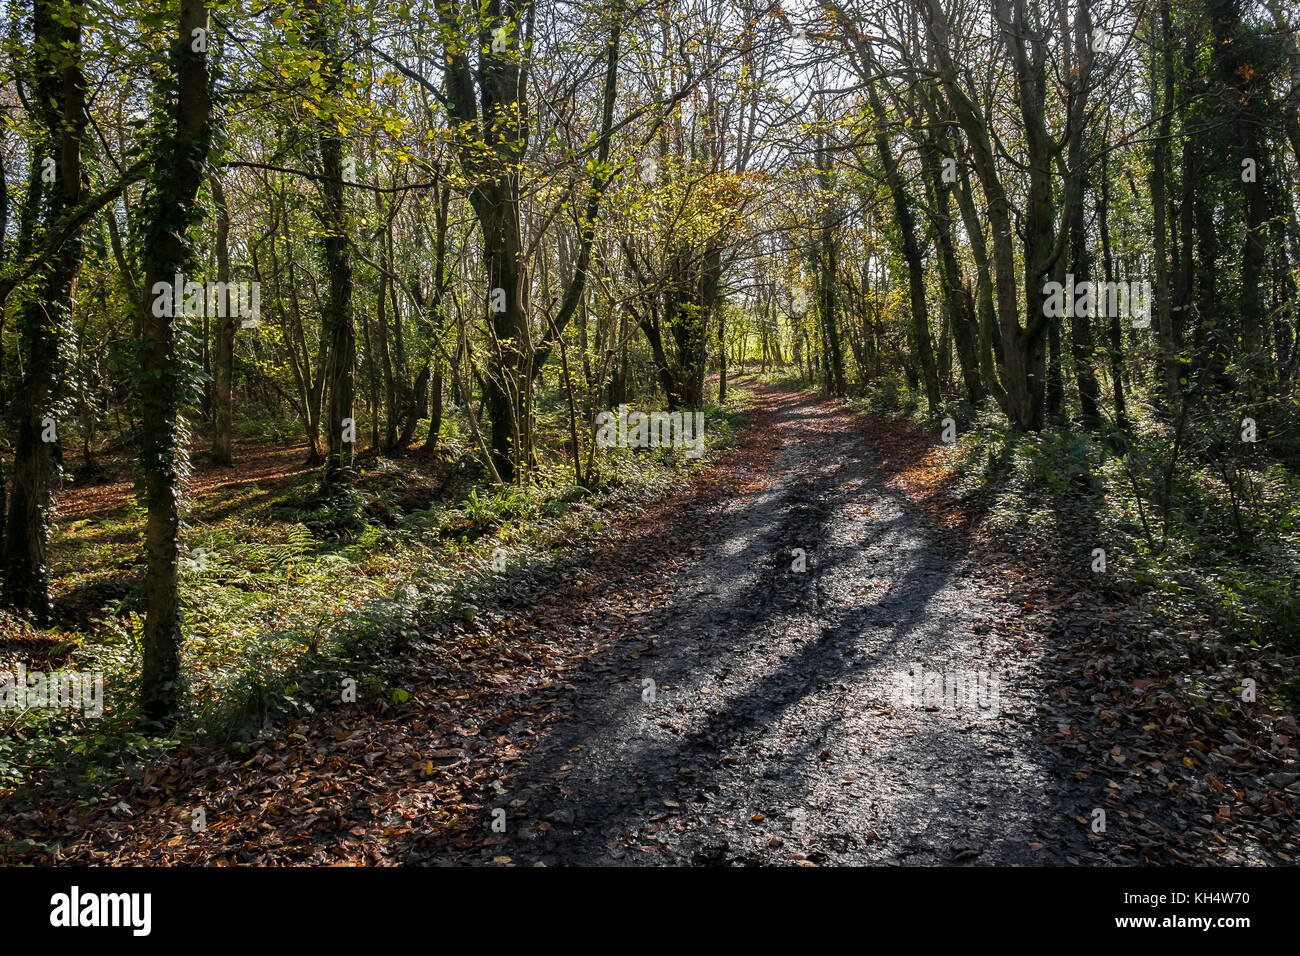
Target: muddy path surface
[775,709]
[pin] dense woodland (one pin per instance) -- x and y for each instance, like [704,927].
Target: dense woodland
[428,243]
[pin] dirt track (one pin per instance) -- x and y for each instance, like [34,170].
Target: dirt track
[778,731]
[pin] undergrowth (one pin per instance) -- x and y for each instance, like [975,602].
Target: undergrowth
[284,587]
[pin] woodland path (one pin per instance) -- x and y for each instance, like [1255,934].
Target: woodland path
[777,732]
[776,735]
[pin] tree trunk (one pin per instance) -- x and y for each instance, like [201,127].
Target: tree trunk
[922,348]
[722,355]
[828,269]
[60,104]
[339,330]
[1116,331]
[178,173]
[223,361]
[1246,82]
[1168,362]
[961,308]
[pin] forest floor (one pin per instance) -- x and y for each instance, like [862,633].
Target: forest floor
[678,691]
